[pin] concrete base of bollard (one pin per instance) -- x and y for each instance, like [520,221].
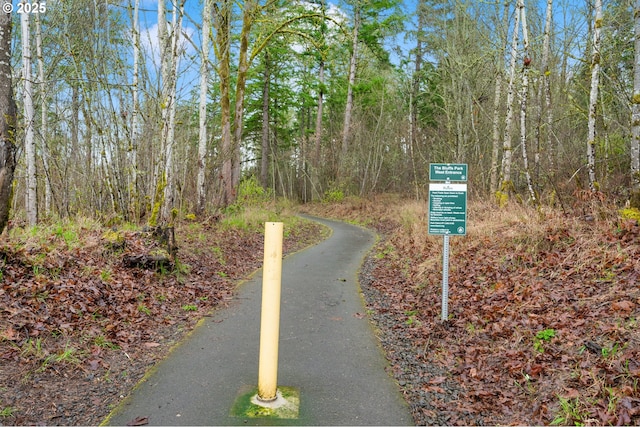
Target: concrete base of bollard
[286,405]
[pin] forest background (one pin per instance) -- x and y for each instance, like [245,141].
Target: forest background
[143,110]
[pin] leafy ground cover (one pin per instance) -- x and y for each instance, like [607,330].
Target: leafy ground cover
[543,313]
[78,329]
[543,325]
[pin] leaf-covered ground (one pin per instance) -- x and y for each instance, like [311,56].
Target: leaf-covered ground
[543,326]
[543,313]
[78,329]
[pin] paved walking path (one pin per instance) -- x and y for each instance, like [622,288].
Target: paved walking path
[327,350]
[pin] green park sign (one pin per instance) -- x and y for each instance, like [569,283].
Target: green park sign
[448,209]
[447,214]
[447,172]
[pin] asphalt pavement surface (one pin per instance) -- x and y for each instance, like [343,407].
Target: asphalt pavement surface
[328,350]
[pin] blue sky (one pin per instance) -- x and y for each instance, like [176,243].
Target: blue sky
[190,62]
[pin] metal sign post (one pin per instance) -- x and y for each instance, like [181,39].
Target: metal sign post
[445,279]
[447,214]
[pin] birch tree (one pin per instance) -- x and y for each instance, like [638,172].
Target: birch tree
[545,93]
[169,54]
[593,97]
[506,185]
[8,117]
[635,112]
[43,116]
[202,109]
[523,101]
[29,115]
[135,114]
[497,99]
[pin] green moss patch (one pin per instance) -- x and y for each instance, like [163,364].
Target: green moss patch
[286,405]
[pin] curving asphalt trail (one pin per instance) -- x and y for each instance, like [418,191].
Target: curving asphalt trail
[328,350]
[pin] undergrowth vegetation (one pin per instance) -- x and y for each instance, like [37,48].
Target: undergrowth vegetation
[543,312]
[79,327]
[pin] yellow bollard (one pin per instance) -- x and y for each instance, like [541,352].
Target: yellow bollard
[270,316]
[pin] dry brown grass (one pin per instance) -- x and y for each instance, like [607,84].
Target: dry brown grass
[518,271]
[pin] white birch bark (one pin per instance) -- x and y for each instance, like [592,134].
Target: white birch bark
[545,92]
[135,114]
[523,101]
[593,97]
[29,113]
[495,148]
[174,58]
[202,108]
[507,154]
[497,98]
[44,127]
[635,110]
[164,50]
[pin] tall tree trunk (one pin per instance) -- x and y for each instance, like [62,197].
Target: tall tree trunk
[545,92]
[523,102]
[202,110]
[222,23]
[315,158]
[346,129]
[505,183]
[169,175]
[635,114]
[593,97]
[317,144]
[160,179]
[414,95]
[8,117]
[135,114]
[43,117]
[264,161]
[248,15]
[497,98]
[29,115]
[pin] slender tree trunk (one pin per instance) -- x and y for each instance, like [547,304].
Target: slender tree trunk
[8,118]
[264,161]
[43,117]
[223,53]
[248,16]
[545,92]
[160,210]
[202,111]
[593,97]
[170,189]
[29,116]
[165,67]
[346,130]
[414,95]
[524,95]
[497,98]
[505,183]
[135,114]
[635,114]
[315,160]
